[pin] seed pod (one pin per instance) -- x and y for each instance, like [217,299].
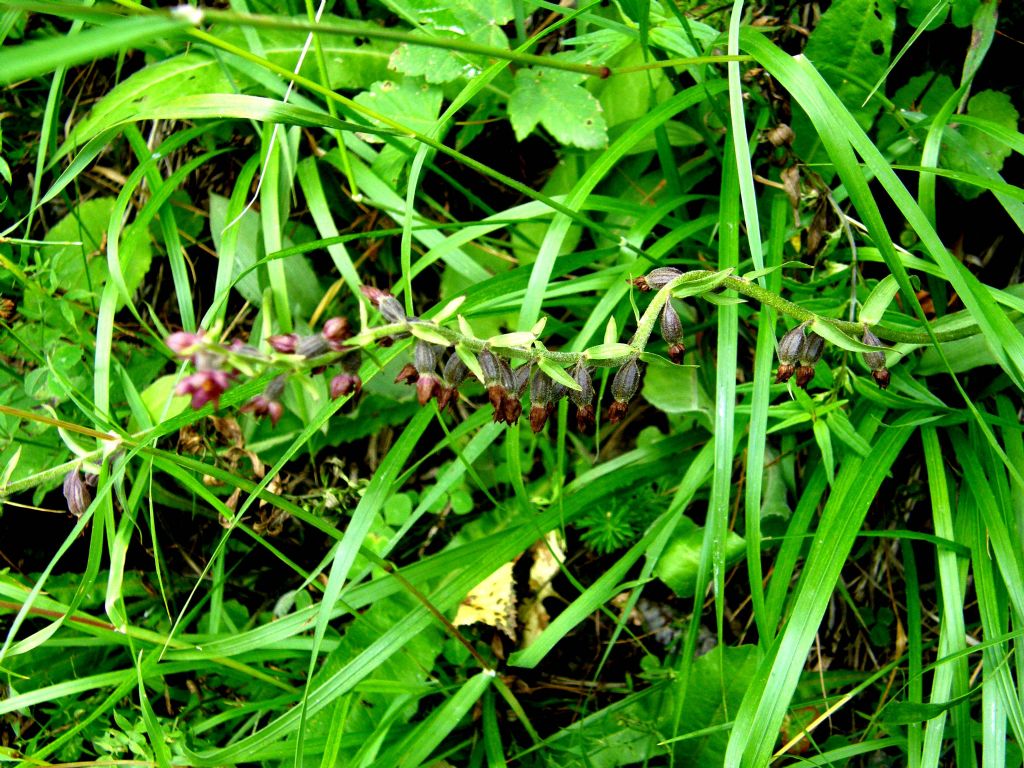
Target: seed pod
[489,366]
[76,493]
[424,356]
[585,394]
[671,325]
[455,371]
[520,378]
[876,360]
[391,310]
[789,353]
[658,278]
[672,332]
[540,389]
[626,381]
[810,350]
[311,346]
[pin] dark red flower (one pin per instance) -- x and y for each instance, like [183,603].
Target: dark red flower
[204,387]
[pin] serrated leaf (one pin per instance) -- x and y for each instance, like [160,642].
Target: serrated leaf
[427,333]
[608,351]
[830,333]
[558,101]
[514,339]
[557,374]
[877,301]
[449,309]
[468,356]
[479,22]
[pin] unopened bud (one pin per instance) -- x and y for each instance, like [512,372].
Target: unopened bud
[427,386]
[520,378]
[284,343]
[336,329]
[540,389]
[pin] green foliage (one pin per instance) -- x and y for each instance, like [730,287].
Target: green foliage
[720,564]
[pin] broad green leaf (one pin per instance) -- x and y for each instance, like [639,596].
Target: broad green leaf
[981,148]
[479,22]
[851,47]
[558,101]
[680,561]
[677,390]
[85,266]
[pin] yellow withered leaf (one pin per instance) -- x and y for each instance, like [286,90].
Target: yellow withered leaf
[491,602]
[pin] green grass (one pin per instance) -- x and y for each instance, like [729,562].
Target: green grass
[822,577]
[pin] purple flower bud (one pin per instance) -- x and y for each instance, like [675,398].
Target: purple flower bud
[344,383]
[183,344]
[585,417]
[261,405]
[76,493]
[336,329]
[672,332]
[284,343]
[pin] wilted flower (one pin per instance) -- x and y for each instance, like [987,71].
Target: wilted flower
[76,493]
[427,387]
[876,360]
[268,403]
[344,383]
[810,353]
[541,390]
